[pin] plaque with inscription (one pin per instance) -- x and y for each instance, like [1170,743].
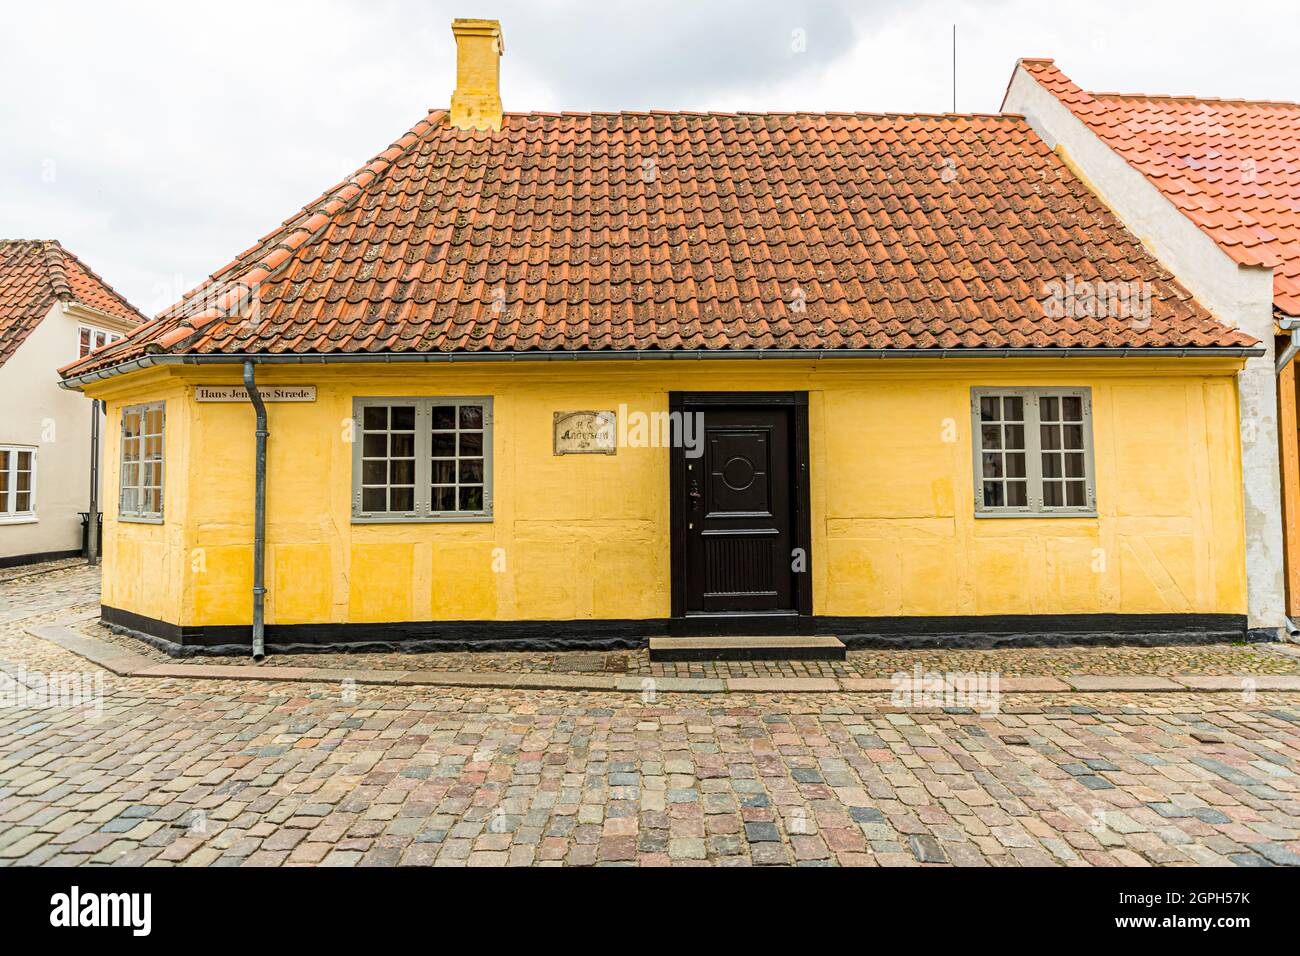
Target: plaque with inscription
[586,433]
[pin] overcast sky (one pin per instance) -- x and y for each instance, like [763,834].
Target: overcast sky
[158,140]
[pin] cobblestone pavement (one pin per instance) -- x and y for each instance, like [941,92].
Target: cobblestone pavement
[226,773]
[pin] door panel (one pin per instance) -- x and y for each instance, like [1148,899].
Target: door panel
[738,513]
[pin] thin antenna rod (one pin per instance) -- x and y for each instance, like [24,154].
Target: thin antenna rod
[954,67]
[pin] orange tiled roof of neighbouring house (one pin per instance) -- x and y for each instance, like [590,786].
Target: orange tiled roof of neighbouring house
[1231,166]
[34,274]
[615,232]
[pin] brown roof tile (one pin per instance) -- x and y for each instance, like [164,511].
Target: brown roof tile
[672,231]
[1231,166]
[34,274]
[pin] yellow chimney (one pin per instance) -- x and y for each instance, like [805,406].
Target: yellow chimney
[476,104]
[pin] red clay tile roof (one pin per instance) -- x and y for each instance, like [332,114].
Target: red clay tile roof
[1231,166]
[34,274]
[675,231]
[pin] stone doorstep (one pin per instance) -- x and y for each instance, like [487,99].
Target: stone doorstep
[1137,682]
[126,664]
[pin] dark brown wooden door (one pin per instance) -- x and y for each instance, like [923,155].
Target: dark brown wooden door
[738,513]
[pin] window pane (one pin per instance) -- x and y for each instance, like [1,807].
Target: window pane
[403,417]
[402,499]
[471,499]
[992,466]
[1076,493]
[374,418]
[130,449]
[401,471]
[1051,465]
[153,421]
[1015,464]
[1074,466]
[374,499]
[1013,408]
[84,343]
[444,444]
[153,447]
[1014,435]
[444,416]
[24,461]
[471,416]
[131,476]
[1073,436]
[989,408]
[471,444]
[990,436]
[131,423]
[1017,496]
[130,500]
[1049,409]
[23,501]
[373,472]
[4,461]
[444,472]
[150,501]
[1051,436]
[1072,408]
[993,494]
[374,446]
[402,445]
[444,499]
[1052,494]
[471,470]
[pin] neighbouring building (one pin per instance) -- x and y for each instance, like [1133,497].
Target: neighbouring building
[1212,187]
[53,310]
[583,379]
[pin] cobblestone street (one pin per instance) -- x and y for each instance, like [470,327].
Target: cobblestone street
[264,773]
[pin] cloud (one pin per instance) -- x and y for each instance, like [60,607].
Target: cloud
[158,140]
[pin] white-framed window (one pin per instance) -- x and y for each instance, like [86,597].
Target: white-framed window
[422,459]
[90,338]
[17,482]
[1033,452]
[140,497]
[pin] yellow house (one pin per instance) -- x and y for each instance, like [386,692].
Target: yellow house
[542,380]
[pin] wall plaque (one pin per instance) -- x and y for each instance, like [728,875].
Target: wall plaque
[586,433]
[269,393]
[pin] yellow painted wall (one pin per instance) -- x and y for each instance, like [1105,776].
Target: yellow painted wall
[586,537]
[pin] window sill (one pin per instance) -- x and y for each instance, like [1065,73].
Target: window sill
[423,519]
[19,519]
[1035,514]
[135,519]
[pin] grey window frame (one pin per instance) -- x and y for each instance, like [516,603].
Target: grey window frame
[138,516]
[10,494]
[1033,455]
[422,513]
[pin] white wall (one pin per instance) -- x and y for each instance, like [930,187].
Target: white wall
[1240,296]
[56,422]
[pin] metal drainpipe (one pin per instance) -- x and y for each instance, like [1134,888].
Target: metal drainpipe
[259,518]
[1289,323]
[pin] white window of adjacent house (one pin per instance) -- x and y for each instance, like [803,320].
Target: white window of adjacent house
[17,482]
[140,496]
[1033,452]
[422,459]
[90,338]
